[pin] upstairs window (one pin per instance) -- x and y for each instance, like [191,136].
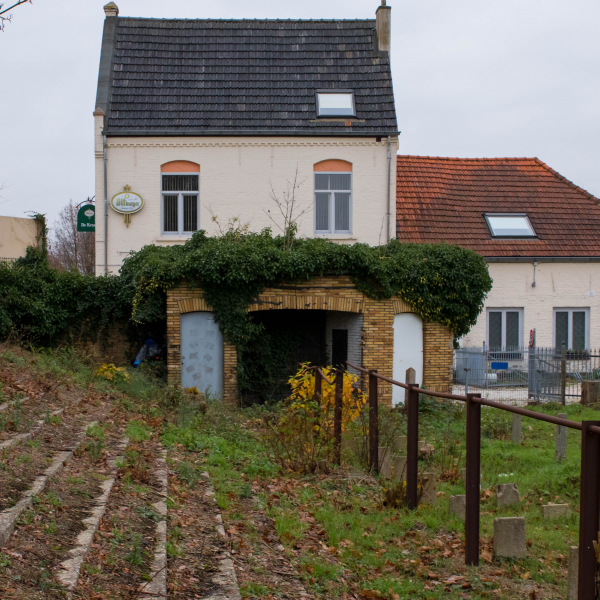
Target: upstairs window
[180,198]
[509,226]
[333,197]
[335,104]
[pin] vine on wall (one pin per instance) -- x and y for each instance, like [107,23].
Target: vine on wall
[441,283]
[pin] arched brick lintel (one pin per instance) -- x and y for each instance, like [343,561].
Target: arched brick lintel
[294,302]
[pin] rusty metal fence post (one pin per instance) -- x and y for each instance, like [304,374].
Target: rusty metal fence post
[473,480]
[563,374]
[337,417]
[318,384]
[373,423]
[412,447]
[589,515]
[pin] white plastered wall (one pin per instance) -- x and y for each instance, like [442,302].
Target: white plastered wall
[15,235]
[558,285]
[353,323]
[235,181]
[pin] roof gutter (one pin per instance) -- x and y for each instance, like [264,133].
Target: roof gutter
[245,132]
[541,259]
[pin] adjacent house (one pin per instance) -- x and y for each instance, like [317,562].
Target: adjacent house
[16,235]
[198,122]
[537,231]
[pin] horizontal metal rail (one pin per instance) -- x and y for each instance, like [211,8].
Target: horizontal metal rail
[353,366]
[315,368]
[513,409]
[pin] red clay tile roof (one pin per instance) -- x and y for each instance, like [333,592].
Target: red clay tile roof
[444,199]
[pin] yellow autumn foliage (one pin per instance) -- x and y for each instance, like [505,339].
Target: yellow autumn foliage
[113,373]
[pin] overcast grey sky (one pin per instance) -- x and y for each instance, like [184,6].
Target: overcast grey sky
[472,78]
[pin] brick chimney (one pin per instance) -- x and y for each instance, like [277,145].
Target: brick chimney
[384,26]
[112,10]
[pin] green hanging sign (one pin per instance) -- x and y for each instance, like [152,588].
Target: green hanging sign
[86,218]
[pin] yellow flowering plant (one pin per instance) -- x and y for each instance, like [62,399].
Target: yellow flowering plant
[302,437]
[113,373]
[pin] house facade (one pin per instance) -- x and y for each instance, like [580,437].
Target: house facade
[16,234]
[203,123]
[537,231]
[199,122]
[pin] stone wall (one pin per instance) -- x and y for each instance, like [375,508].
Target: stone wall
[334,293]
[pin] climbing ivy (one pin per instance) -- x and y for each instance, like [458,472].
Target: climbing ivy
[440,282]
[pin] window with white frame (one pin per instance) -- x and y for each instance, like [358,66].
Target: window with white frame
[333,202]
[180,203]
[332,103]
[504,329]
[572,326]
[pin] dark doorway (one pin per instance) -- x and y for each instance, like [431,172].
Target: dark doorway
[339,348]
[288,337]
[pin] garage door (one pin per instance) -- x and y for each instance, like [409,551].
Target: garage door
[201,353]
[408,351]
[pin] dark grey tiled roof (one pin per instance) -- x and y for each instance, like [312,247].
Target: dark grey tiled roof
[257,77]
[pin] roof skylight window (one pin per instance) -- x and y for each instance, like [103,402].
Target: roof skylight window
[509,226]
[335,104]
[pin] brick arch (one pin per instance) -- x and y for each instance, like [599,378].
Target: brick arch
[284,301]
[333,166]
[180,166]
[299,301]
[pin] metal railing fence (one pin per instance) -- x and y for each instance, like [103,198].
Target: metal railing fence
[589,523]
[525,375]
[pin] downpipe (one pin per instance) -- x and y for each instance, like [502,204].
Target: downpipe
[105,206]
[389,193]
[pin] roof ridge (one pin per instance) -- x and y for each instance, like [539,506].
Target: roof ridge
[567,181]
[121,18]
[458,158]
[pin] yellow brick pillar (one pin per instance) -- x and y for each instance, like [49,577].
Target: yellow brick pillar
[378,343]
[438,355]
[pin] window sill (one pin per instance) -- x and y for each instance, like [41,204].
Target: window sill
[336,236]
[173,238]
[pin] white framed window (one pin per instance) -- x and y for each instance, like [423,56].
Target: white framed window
[333,203]
[180,203]
[335,103]
[507,225]
[572,326]
[504,329]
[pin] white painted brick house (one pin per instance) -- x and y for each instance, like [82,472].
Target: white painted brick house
[202,117]
[538,232]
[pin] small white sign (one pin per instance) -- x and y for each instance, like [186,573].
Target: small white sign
[127,203]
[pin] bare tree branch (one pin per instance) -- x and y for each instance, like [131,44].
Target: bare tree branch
[287,207]
[70,249]
[4,11]
[234,226]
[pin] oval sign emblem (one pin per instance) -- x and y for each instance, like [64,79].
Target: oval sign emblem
[127,203]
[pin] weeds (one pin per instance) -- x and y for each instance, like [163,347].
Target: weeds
[189,473]
[149,513]
[138,432]
[50,419]
[136,556]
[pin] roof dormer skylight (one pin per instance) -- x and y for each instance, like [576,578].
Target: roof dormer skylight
[509,225]
[335,103]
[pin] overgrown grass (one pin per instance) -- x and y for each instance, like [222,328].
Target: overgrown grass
[381,549]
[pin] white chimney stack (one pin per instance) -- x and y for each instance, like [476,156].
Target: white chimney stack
[384,26]
[111,10]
